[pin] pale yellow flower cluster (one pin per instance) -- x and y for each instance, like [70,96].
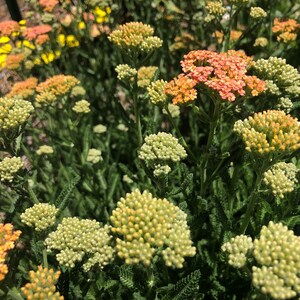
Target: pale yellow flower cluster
[145,224]
[156,91]
[9,166]
[82,107]
[145,76]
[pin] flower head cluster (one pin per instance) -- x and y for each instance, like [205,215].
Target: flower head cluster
[48,5]
[281,178]
[173,109]
[283,79]
[135,36]
[277,251]
[145,76]
[42,285]
[156,91]
[269,132]
[224,73]
[32,33]
[9,166]
[82,107]
[94,156]
[238,248]
[160,150]
[257,13]
[40,216]
[14,112]
[13,61]
[285,104]
[23,89]
[75,238]
[54,87]
[125,72]
[78,91]
[145,224]
[44,149]
[8,238]
[215,9]
[181,89]
[286,29]
[100,128]
[8,28]
[261,42]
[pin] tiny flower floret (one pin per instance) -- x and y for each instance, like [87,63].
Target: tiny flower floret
[144,224]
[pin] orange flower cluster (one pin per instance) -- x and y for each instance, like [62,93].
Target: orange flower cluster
[32,33]
[7,242]
[42,285]
[287,29]
[181,89]
[223,72]
[270,131]
[57,85]
[8,27]
[41,39]
[48,5]
[24,88]
[13,61]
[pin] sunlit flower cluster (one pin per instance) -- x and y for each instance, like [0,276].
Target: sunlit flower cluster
[76,238]
[42,285]
[286,30]
[160,150]
[145,76]
[215,9]
[94,156]
[125,72]
[40,216]
[238,248]
[269,132]
[144,224]
[14,113]
[13,61]
[32,33]
[9,166]
[282,78]
[23,89]
[44,149]
[156,91]
[135,36]
[257,13]
[277,251]
[8,238]
[82,107]
[8,28]
[285,104]
[54,87]
[261,42]
[223,72]
[281,178]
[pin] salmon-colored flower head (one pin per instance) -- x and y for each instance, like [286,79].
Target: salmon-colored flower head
[32,33]
[8,27]
[24,89]
[286,29]
[13,61]
[271,131]
[224,72]
[7,243]
[48,5]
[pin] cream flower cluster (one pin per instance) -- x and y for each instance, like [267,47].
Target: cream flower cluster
[145,76]
[146,224]
[125,72]
[40,216]
[160,150]
[156,91]
[82,107]
[277,251]
[215,9]
[261,42]
[94,156]
[284,76]
[238,248]
[42,285]
[9,166]
[281,178]
[257,13]
[14,112]
[44,149]
[75,238]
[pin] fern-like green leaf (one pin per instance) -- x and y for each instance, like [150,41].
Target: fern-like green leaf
[126,276]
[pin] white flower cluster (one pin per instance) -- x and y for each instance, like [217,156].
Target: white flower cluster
[281,178]
[238,248]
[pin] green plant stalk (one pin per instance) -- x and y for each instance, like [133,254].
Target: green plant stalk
[252,199]
[45,260]
[137,114]
[185,145]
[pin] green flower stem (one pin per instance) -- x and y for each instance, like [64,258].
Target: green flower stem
[137,114]
[45,260]
[252,200]
[185,145]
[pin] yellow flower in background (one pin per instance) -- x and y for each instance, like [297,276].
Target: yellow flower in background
[2,60]
[99,12]
[37,61]
[22,24]
[61,39]
[48,57]
[101,15]
[81,25]
[108,10]
[72,41]
[5,49]
[25,43]
[4,39]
